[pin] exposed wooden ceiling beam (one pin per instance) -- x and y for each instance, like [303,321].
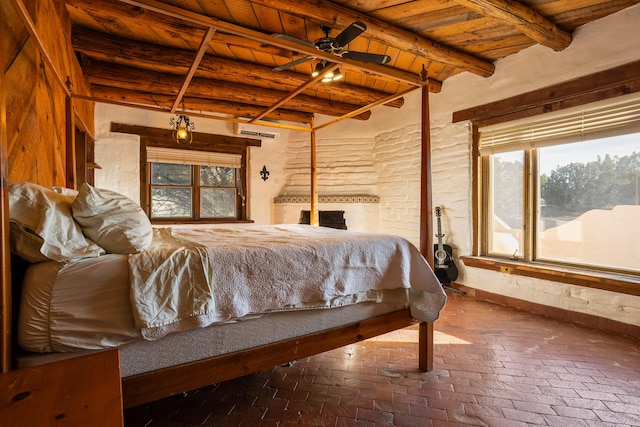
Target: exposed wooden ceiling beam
[208,108]
[173,22]
[204,44]
[103,47]
[207,21]
[363,109]
[118,10]
[298,90]
[124,77]
[332,14]
[525,19]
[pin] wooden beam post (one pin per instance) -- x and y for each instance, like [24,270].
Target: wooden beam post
[5,257]
[425,353]
[70,142]
[313,214]
[425,357]
[426,205]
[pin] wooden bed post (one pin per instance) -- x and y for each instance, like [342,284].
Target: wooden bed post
[426,205]
[426,218]
[5,257]
[313,214]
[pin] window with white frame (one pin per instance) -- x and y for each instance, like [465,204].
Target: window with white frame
[565,187]
[194,185]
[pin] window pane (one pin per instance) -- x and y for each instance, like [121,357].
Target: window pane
[589,203]
[506,204]
[169,202]
[217,176]
[170,174]
[217,202]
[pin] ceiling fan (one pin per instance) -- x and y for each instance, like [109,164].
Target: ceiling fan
[334,46]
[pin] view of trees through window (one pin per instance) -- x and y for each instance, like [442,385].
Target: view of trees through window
[176,189]
[587,208]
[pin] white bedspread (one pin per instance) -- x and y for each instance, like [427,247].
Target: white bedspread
[196,277]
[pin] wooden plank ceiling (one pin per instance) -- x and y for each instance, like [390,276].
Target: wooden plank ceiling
[218,57]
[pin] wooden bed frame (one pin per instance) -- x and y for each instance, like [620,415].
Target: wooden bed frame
[141,388]
[154,385]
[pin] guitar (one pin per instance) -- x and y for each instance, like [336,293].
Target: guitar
[446,271]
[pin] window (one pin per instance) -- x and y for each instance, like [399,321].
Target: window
[194,185]
[564,188]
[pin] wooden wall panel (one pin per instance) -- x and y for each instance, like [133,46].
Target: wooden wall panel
[36,112]
[34,127]
[36,131]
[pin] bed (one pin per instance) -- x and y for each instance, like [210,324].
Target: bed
[191,306]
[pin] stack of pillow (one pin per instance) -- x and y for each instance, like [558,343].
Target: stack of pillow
[62,225]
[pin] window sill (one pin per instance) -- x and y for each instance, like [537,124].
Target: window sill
[614,282]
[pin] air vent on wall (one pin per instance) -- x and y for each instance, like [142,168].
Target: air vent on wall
[255,131]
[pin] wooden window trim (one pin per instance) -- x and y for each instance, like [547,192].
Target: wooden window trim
[145,194]
[196,188]
[608,281]
[603,85]
[599,86]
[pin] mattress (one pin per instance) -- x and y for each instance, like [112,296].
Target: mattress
[142,356]
[91,304]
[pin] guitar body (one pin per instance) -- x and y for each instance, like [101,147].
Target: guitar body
[446,271]
[443,266]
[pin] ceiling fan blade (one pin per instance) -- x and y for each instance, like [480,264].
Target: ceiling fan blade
[348,34]
[293,63]
[293,39]
[367,57]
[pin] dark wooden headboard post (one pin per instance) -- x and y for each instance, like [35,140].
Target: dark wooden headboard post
[426,216]
[5,257]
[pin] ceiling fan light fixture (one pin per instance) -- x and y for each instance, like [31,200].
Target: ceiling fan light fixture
[328,76]
[319,67]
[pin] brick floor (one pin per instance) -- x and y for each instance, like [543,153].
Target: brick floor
[494,366]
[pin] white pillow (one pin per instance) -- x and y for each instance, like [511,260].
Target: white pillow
[112,220]
[48,214]
[26,244]
[66,192]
